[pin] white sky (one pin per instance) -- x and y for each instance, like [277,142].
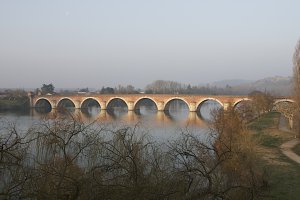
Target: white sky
[76,43]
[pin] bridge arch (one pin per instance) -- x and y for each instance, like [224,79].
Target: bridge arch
[284,100]
[61,100]
[235,104]
[200,103]
[168,102]
[42,99]
[84,103]
[286,107]
[47,103]
[136,103]
[110,101]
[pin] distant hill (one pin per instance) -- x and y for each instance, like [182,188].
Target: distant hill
[278,85]
[232,82]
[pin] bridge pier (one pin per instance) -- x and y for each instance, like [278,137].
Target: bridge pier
[77,104]
[130,105]
[53,104]
[226,105]
[30,96]
[103,105]
[291,123]
[160,106]
[192,107]
[192,117]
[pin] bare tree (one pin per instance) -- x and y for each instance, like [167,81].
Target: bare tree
[224,166]
[296,61]
[65,158]
[13,154]
[59,158]
[262,102]
[165,87]
[132,167]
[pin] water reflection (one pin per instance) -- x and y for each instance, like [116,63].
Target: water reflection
[160,124]
[149,116]
[206,109]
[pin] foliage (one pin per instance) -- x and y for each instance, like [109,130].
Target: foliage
[107,90]
[14,100]
[84,90]
[47,88]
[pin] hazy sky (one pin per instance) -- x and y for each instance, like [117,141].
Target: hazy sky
[86,43]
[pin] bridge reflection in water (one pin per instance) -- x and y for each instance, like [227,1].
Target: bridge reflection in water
[177,114]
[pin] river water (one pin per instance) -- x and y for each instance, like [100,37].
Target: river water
[160,125]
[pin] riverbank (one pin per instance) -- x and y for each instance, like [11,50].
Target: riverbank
[6,105]
[14,100]
[284,173]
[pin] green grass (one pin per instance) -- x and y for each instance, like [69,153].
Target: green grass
[261,128]
[284,180]
[268,120]
[284,174]
[270,140]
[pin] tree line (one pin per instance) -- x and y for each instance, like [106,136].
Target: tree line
[14,100]
[156,87]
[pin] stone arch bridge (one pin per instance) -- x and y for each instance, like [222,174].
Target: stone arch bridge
[132,101]
[284,105]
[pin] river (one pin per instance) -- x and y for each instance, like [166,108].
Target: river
[160,125]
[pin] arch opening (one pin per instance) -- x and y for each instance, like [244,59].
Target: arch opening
[117,107]
[43,106]
[145,106]
[206,108]
[177,109]
[90,107]
[66,105]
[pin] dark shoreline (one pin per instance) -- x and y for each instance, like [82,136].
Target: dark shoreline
[7,105]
